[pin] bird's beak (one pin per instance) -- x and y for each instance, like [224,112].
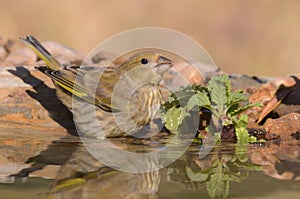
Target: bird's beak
[161,60]
[163,65]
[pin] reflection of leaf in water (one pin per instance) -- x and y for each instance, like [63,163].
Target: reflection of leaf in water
[197,177]
[218,185]
[223,167]
[241,152]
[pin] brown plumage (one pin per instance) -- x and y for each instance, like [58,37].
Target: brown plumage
[121,99]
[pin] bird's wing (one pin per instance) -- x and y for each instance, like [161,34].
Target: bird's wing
[100,82]
[75,84]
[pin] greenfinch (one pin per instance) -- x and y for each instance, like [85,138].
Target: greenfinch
[122,98]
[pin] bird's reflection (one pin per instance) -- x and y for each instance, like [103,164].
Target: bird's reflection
[83,176]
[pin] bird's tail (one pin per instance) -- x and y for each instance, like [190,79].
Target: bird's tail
[39,49]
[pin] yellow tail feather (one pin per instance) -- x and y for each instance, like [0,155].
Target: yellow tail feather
[37,47]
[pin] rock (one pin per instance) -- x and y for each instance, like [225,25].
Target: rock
[26,97]
[103,58]
[283,90]
[20,56]
[249,84]
[64,54]
[3,53]
[284,126]
[11,45]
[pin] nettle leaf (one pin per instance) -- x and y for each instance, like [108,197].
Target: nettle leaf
[173,118]
[198,100]
[182,96]
[242,121]
[236,97]
[243,136]
[225,80]
[243,108]
[218,90]
[252,139]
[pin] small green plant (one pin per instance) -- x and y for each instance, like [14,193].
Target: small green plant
[225,106]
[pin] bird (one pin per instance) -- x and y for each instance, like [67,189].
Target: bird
[109,101]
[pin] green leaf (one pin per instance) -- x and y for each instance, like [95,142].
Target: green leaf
[173,118]
[235,98]
[218,88]
[243,136]
[198,100]
[252,139]
[242,121]
[244,108]
[225,81]
[182,96]
[196,177]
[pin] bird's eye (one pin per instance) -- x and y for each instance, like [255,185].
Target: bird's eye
[144,61]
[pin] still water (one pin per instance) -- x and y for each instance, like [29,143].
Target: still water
[267,170]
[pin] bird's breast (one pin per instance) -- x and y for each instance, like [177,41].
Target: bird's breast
[144,104]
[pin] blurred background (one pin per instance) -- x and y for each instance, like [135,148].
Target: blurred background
[248,37]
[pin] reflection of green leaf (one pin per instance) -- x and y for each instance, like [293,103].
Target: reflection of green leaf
[223,168]
[241,152]
[218,185]
[196,177]
[174,117]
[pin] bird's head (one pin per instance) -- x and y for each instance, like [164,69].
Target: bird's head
[147,62]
